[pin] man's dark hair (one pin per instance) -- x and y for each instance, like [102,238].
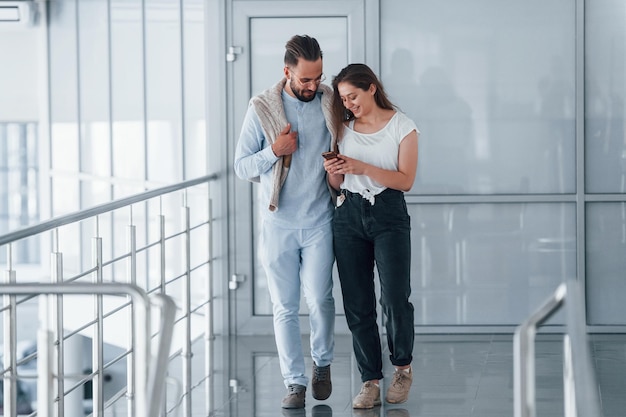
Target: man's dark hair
[304,47]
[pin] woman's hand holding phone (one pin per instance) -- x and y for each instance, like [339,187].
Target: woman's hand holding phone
[332,163]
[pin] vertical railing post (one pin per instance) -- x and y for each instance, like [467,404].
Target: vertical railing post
[162,277]
[141,327]
[210,328]
[45,378]
[73,369]
[569,388]
[162,251]
[524,368]
[10,342]
[131,273]
[162,286]
[55,326]
[208,314]
[98,332]
[186,350]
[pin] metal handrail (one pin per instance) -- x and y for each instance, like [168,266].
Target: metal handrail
[578,376]
[580,389]
[524,353]
[100,209]
[95,269]
[149,382]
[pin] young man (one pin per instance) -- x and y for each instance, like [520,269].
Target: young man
[284,133]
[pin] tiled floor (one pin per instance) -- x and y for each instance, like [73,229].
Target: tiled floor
[454,376]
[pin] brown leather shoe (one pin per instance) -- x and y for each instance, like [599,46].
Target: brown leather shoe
[321,384]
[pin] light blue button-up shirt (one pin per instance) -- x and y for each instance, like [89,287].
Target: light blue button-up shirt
[304,200]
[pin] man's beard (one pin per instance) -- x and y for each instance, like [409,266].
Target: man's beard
[298,93]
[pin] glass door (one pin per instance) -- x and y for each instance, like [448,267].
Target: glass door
[260,31]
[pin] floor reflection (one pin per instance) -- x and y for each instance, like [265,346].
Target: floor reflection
[454,376]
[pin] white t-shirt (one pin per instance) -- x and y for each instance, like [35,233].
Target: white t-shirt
[379,149]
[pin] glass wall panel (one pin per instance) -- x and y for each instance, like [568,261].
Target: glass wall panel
[605,89]
[64,159]
[194,70]
[19,188]
[94,81]
[64,108]
[128,91]
[491,85]
[129,156]
[96,160]
[606,263]
[163,91]
[488,264]
[93,61]
[63,66]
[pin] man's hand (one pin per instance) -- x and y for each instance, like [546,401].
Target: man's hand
[286,143]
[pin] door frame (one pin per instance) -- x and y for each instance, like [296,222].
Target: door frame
[364,44]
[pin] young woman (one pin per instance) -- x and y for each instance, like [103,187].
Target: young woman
[376,164]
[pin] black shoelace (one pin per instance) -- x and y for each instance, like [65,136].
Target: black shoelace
[321,374]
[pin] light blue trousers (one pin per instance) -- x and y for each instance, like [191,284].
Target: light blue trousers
[298,260]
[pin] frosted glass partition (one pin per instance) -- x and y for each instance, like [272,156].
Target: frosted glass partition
[606,263]
[64,110]
[127,91]
[491,85]
[127,95]
[488,264]
[605,88]
[195,79]
[63,65]
[92,53]
[163,91]
[20,188]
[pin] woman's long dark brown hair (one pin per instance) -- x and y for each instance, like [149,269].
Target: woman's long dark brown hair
[360,76]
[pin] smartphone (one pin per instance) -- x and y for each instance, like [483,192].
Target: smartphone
[329,155]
